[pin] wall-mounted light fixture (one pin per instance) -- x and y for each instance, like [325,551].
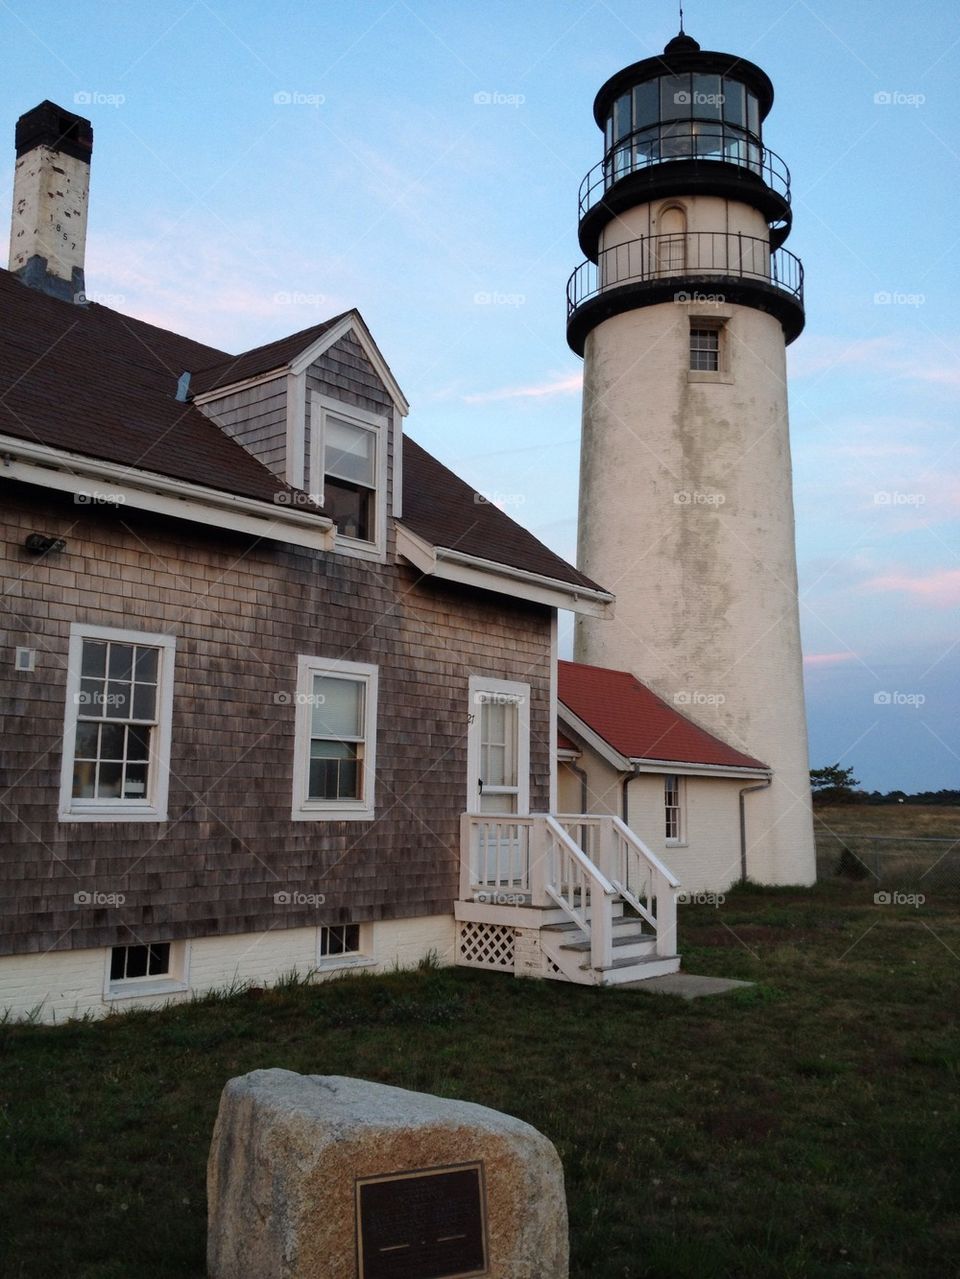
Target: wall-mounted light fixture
[40,543]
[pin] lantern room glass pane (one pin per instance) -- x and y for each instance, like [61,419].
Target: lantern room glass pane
[675,97]
[733,104]
[706,97]
[646,103]
[753,114]
[622,121]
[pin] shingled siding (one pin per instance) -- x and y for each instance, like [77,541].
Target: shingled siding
[256,417]
[241,612]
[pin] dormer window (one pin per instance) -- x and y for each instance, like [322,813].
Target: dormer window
[350,478]
[348,473]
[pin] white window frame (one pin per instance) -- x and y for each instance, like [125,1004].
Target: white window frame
[322,407]
[340,810]
[680,839]
[361,958]
[515,690]
[154,807]
[174,982]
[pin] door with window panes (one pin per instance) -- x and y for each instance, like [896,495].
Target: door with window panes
[499,759]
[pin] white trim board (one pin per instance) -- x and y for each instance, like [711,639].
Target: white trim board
[470,570]
[109,483]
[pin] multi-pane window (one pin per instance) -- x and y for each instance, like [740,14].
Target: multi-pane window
[116,725]
[335,746]
[129,963]
[673,817]
[339,940]
[705,348]
[336,738]
[349,484]
[116,719]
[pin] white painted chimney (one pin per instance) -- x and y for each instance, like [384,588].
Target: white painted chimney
[51,189]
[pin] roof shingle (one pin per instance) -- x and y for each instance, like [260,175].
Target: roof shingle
[637,723]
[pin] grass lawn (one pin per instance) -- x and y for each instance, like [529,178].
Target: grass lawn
[807,1126]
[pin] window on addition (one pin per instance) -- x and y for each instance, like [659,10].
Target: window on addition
[134,963]
[704,349]
[350,478]
[672,809]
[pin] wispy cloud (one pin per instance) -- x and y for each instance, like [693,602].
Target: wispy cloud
[561,384]
[830,659]
[940,587]
[933,362]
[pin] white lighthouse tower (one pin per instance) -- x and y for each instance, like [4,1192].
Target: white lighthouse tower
[682,313]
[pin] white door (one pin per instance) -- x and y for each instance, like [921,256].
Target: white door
[498,776]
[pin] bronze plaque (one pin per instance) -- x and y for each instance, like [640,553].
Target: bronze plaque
[427,1224]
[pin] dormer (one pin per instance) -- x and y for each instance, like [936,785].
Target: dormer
[322,410]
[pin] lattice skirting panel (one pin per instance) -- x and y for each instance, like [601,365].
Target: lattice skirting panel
[485,946]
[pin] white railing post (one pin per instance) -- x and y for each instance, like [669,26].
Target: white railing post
[666,916]
[466,857]
[601,927]
[539,851]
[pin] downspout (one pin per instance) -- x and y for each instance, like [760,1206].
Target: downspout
[624,800]
[747,790]
[584,784]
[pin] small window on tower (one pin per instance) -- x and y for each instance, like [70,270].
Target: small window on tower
[705,348]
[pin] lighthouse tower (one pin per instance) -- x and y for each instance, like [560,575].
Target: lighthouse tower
[682,313]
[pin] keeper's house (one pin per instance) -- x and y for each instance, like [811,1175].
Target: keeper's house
[279,691]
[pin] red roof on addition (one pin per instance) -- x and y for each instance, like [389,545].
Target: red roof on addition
[637,723]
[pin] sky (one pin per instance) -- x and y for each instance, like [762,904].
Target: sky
[259,167]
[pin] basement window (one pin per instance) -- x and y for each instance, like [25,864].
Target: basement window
[344,945]
[154,968]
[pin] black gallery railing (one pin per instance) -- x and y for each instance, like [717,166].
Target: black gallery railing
[698,254]
[683,141]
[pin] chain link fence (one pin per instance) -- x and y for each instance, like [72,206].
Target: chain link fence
[899,862]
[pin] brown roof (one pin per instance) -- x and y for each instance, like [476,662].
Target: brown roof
[92,381]
[89,380]
[445,511]
[261,359]
[637,723]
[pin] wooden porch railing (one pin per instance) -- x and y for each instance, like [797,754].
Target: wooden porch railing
[580,863]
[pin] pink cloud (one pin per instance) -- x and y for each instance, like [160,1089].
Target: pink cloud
[829,659]
[567,384]
[941,588]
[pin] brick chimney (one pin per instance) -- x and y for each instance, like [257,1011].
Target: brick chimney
[51,188]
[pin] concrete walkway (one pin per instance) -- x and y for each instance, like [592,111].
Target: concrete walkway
[687,985]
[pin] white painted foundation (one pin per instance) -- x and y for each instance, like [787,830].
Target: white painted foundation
[74,983]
